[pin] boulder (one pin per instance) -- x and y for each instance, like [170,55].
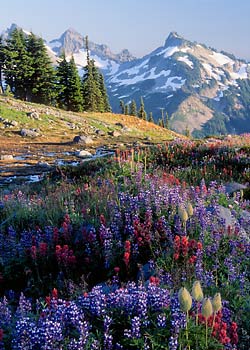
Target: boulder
[83,154]
[6,157]
[13,123]
[234,187]
[33,115]
[29,133]
[115,133]
[100,132]
[85,140]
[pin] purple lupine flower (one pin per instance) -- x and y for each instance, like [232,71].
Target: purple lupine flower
[5,313]
[24,307]
[161,321]
[178,322]
[136,327]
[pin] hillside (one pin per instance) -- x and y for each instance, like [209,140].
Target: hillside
[52,132]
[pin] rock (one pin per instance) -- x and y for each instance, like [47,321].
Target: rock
[115,133]
[44,165]
[120,125]
[126,129]
[71,126]
[29,133]
[6,157]
[13,123]
[83,154]
[33,115]
[226,216]
[233,187]
[85,140]
[100,132]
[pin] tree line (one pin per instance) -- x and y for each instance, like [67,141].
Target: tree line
[26,71]
[131,109]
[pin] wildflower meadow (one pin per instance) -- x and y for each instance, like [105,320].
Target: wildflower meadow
[149,249]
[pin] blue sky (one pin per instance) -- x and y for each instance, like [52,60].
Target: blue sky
[138,25]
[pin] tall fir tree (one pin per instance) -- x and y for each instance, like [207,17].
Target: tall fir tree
[142,113]
[151,118]
[104,94]
[17,67]
[166,121]
[74,88]
[62,77]
[2,57]
[133,108]
[41,84]
[126,110]
[122,106]
[92,96]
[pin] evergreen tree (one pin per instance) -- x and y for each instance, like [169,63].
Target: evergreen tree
[133,108]
[167,121]
[151,118]
[122,106]
[75,101]
[187,131]
[162,118]
[102,87]
[161,122]
[92,95]
[142,113]
[62,74]
[126,110]
[41,83]
[17,67]
[2,57]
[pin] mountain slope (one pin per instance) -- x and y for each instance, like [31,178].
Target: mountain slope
[181,74]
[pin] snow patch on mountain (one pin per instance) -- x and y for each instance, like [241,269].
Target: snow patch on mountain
[241,74]
[221,59]
[186,60]
[169,51]
[172,83]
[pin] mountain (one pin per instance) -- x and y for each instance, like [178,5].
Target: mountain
[73,43]
[201,89]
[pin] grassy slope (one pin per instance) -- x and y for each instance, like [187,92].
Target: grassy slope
[56,125]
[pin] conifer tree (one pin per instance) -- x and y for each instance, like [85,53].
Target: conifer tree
[2,56]
[122,106]
[91,86]
[62,74]
[151,118]
[41,84]
[133,108]
[75,100]
[161,122]
[102,87]
[18,70]
[126,110]
[167,121]
[142,113]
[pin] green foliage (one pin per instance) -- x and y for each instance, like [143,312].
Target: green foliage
[133,108]
[95,98]
[142,113]
[42,82]
[151,118]
[17,65]
[122,106]
[69,85]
